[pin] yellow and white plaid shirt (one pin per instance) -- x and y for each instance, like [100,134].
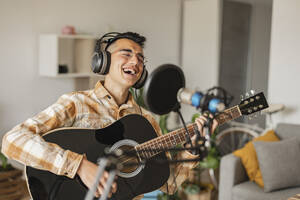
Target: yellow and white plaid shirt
[85,109]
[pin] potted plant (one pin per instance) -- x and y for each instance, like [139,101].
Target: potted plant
[12,186]
[192,188]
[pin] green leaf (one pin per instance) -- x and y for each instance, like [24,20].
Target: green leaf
[195,116]
[192,189]
[138,97]
[3,160]
[210,162]
[163,123]
[164,196]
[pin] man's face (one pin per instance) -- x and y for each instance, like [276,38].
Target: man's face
[127,60]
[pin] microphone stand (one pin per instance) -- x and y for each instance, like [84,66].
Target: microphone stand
[110,163]
[110,160]
[187,135]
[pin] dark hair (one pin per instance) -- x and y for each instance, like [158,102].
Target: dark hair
[139,39]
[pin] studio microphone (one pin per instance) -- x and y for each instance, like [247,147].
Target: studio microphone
[206,102]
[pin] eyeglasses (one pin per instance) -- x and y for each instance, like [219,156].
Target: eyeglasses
[128,54]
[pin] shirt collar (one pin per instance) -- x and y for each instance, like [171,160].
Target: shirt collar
[101,92]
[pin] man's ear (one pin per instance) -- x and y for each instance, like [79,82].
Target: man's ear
[141,82]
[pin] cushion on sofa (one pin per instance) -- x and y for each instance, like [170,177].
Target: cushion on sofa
[250,191]
[249,158]
[279,163]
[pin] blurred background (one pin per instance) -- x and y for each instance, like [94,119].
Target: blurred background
[236,44]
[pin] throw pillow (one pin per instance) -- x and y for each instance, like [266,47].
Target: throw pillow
[249,158]
[279,163]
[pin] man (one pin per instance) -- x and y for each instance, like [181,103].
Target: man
[96,108]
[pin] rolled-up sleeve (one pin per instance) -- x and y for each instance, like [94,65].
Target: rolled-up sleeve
[25,143]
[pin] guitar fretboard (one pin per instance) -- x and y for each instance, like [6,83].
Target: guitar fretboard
[159,144]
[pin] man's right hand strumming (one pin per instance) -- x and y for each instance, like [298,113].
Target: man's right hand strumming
[87,172]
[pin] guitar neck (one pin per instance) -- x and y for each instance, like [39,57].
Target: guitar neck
[159,144]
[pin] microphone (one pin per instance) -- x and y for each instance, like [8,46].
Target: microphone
[199,100]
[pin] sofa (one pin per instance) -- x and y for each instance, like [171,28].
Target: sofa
[234,183]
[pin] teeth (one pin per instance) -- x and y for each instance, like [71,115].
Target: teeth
[129,71]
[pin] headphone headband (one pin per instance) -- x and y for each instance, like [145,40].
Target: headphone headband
[101,57]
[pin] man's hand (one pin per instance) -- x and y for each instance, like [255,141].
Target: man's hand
[87,172]
[200,121]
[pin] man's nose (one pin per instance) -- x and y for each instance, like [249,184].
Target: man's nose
[134,59]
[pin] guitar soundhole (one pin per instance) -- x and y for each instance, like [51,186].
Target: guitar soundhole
[130,162]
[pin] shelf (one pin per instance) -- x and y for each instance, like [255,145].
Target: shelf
[79,36]
[70,53]
[75,75]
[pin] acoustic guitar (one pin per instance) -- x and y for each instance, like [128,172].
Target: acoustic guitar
[131,133]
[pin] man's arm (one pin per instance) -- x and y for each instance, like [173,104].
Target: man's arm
[179,172]
[25,144]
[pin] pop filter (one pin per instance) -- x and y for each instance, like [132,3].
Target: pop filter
[161,87]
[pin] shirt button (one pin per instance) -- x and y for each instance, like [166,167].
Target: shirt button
[109,97]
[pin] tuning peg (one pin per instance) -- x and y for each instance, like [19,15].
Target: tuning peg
[250,111]
[252,92]
[255,115]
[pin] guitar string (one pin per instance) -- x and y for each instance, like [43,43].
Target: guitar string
[146,147]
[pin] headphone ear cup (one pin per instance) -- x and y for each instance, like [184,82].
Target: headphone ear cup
[96,62]
[101,62]
[141,82]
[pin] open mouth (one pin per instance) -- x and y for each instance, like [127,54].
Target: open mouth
[130,71]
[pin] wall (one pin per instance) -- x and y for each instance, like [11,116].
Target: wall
[260,34]
[284,69]
[201,44]
[23,92]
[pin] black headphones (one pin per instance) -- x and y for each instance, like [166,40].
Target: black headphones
[101,58]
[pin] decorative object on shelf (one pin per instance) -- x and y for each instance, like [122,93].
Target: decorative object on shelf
[56,52]
[62,69]
[68,30]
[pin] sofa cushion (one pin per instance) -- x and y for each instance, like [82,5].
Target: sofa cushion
[249,158]
[279,163]
[249,191]
[286,130]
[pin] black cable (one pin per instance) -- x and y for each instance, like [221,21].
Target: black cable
[135,94]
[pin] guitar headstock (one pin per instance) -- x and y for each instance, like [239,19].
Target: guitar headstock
[253,104]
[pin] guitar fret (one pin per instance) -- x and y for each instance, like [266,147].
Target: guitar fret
[169,142]
[143,154]
[174,142]
[179,136]
[155,147]
[228,114]
[149,149]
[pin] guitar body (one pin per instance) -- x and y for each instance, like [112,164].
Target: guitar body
[44,185]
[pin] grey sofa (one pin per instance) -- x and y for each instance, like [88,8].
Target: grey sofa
[234,183]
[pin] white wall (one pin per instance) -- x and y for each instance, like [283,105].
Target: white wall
[284,69]
[258,60]
[23,92]
[201,45]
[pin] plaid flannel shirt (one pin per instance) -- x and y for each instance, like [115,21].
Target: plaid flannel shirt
[85,109]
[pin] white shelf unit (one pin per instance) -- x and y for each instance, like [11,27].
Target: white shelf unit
[73,52]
